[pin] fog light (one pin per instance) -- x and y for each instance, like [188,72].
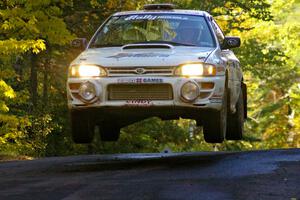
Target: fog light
[190,91]
[87,91]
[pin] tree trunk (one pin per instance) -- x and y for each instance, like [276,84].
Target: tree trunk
[45,84]
[47,66]
[33,82]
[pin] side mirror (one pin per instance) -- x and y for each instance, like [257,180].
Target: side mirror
[231,42]
[79,43]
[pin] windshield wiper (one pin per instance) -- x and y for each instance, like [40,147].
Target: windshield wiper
[165,42]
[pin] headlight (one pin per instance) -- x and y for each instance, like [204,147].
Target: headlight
[196,69]
[87,91]
[190,91]
[87,71]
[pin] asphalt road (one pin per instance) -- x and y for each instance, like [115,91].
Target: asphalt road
[207,175]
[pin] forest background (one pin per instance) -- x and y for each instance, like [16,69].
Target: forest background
[35,53]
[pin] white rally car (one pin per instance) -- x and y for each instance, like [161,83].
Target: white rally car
[157,62]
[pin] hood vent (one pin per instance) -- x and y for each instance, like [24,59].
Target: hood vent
[147,46]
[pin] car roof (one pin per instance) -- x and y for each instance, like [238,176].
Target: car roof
[171,11]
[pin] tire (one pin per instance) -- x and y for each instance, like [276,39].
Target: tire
[245,97]
[235,124]
[109,133]
[214,128]
[83,130]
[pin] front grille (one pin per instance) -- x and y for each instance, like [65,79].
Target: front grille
[134,71]
[140,91]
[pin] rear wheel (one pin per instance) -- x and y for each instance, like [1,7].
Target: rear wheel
[83,129]
[235,124]
[109,133]
[214,128]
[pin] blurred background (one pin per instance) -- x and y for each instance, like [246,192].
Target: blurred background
[35,53]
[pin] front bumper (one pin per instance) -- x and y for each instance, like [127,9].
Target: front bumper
[212,100]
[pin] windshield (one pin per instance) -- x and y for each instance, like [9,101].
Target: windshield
[174,29]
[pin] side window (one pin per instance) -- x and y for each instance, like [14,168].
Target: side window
[218,32]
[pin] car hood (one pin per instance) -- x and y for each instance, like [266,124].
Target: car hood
[118,57]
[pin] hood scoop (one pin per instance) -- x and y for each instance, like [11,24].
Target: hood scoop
[147,46]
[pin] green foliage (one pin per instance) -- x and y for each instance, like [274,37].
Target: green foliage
[6,92]
[155,135]
[270,56]
[20,46]
[22,135]
[29,25]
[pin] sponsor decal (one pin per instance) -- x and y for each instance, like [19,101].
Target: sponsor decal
[139,55]
[216,98]
[138,102]
[155,17]
[140,80]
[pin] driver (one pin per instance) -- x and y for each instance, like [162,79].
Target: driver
[188,32]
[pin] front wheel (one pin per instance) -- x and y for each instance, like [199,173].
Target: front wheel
[214,128]
[235,127]
[83,129]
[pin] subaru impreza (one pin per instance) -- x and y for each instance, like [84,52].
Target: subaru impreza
[161,62]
